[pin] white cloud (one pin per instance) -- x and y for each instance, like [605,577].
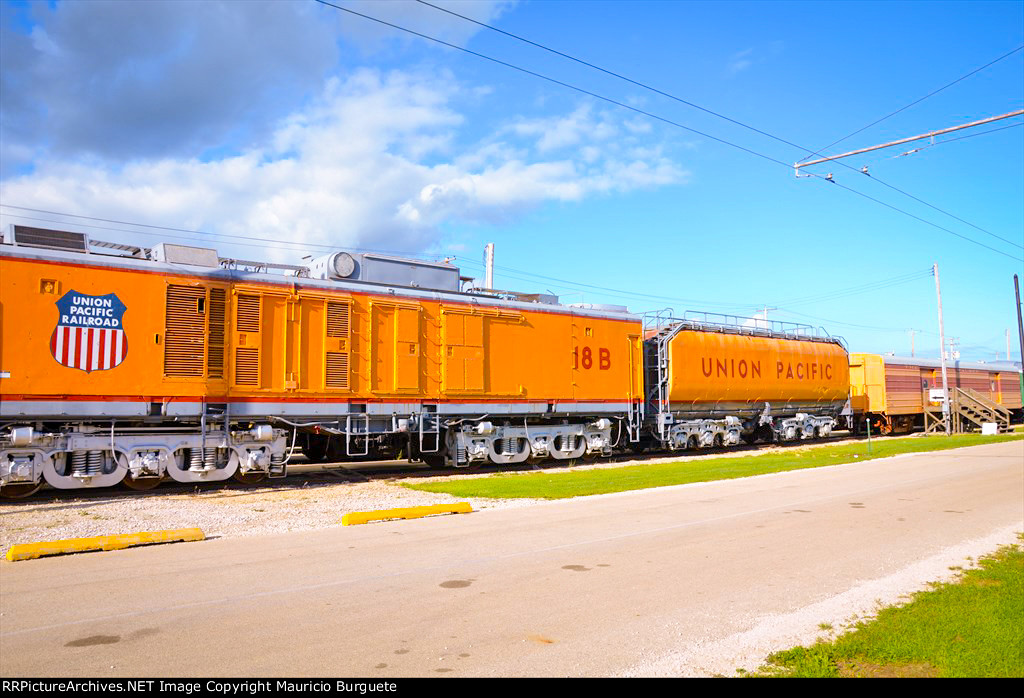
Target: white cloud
[755,55]
[554,133]
[374,162]
[118,80]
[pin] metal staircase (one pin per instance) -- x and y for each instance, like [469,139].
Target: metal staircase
[659,329]
[971,409]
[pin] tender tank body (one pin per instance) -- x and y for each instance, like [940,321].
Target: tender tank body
[718,379]
[714,372]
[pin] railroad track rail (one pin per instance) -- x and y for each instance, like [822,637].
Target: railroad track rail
[303,474]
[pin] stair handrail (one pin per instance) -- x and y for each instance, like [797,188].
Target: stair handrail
[986,401]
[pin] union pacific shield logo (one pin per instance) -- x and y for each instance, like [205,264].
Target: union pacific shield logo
[90,332]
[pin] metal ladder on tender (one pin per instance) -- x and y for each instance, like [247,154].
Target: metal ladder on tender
[656,354]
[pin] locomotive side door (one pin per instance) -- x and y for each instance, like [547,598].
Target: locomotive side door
[462,338]
[396,354]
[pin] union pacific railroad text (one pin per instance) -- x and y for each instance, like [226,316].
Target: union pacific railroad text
[731,368]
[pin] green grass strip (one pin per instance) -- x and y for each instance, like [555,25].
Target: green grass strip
[637,477]
[969,628]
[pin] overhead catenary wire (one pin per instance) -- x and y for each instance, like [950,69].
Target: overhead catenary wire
[736,121]
[662,119]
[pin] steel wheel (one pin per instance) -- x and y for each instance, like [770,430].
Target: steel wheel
[140,484]
[315,448]
[249,478]
[433,460]
[20,490]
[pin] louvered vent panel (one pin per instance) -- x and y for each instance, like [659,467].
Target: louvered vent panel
[215,353]
[337,370]
[247,366]
[337,319]
[248,314]
[58,239]
[336,364]
[185,332]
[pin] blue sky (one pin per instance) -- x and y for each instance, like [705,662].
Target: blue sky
[297,128]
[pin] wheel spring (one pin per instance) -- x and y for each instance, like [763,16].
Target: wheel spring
[86,463]
[567,443]
[79,464]
[210,458]
[508,447]
[461,456]
[276,459]
[195,459]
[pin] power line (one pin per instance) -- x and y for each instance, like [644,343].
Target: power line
[717,114]
[845,324]
[523,275]
[308,246]
[609,72]
[553,81]
[857,290]
[656,117]
[201,233]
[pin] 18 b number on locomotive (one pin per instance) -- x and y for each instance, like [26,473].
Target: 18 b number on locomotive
[585,359]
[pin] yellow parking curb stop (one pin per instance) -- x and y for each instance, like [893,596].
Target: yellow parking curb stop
[27,551]
[361,517]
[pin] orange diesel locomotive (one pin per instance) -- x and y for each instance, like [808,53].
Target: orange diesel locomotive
[126,364]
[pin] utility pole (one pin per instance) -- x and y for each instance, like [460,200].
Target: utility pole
[942,351]
[912,333]
[1020,329]
[764,313]
[954,348]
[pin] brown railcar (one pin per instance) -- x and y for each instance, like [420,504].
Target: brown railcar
[897,394]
